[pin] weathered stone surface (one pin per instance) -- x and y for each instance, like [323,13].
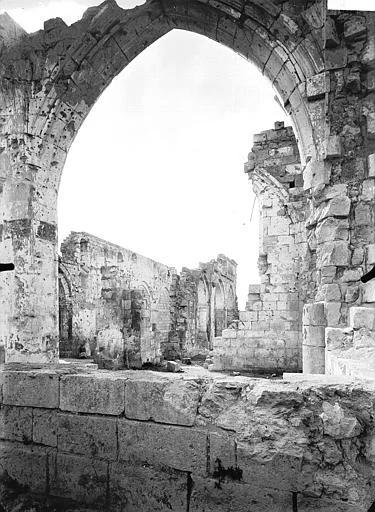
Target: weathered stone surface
[80,478]
[333,253]
[16,423]
[338,206]
[179,448]
[26,465]
[33,389]
[45,427]
[314,314]
[337,338]
[337,424]
[146,488]
[318,85]
[332,147]
[211,495]
[362,317]
[316,174]
[363,338]
[98,393]
[173,366]
[164,400]
[92,436]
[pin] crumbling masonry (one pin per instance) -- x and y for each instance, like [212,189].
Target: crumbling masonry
[127,310]
[201,442]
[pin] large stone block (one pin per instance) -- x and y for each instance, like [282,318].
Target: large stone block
[27,465]
[32,389]
[79,478]
[332,146]
[313,336]
[179,448]
[98,393]
[333,253]
[255,469]
[371,165]
[364,338]
[314,314]
[338,339]
[222,452]
[317,86]
[313,359]
[142,488]
[213,495]
[16,423]
[92,436]
[316,174]
[369,292]
[45,427]
[337,206]
[162,399]
[362,317]
[332,229]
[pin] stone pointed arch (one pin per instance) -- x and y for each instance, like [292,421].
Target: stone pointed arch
[49,82]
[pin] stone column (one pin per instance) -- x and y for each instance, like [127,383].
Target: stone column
[313,348]
[29,295]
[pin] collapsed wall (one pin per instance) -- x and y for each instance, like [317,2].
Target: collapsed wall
[127,310]
[269,334]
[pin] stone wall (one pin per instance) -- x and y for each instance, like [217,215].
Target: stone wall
[119,302]
[205,303]
[269,334]
[151,441]
[126,309]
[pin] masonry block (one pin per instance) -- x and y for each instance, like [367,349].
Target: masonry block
[27,465]
[314,314]
[33,389]
[179,448]
[313,336]
[332,147]
[80,478]
[93,436]
[313,359]
[317,86]
[369,291]
[362,317]
[371,165]
[333,313]
[16,423]
[256,470]
[164,400]
[45,427]
[146,488]
[92,393]
[338,338]
[211,495]
[315,174]
[364,338]
[222,452]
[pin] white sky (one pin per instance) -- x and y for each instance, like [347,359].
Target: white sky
[157,166]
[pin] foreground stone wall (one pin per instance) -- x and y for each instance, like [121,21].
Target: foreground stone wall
[269,334]
[149,441]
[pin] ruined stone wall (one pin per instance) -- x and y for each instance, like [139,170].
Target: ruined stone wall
[149,441]
[204,302]
[269,334]
[342,192]
[120,303]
